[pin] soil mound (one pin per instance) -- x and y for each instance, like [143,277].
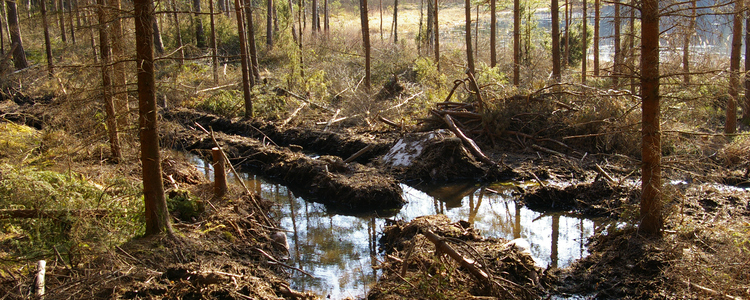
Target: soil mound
[432,257]
[596,199]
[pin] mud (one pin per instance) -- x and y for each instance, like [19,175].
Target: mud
[350,188]
[593,199]
[415,269]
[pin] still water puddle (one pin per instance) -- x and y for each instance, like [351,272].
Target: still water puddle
[339,251]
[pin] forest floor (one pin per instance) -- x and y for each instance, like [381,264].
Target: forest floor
[231,249]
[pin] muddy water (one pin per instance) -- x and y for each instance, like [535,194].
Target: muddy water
[339,251]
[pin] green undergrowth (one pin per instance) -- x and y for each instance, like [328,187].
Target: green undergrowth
[64,211]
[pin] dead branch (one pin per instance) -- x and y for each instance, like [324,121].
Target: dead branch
[604,173]
[469,142]
[469,264]
[294,114]
[389,122]
[51,214]
[359,153]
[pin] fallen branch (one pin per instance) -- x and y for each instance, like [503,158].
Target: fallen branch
[389,122]
[604,173]
[294,114]
[332,119]
[711,291]
[469,142]
[469,264]
[359,153]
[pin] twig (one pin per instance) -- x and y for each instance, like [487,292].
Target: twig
[711,291]
[359,153]
[331,120]
[604,173]
[128,255]
[472,145]
[276,261]
[294,114]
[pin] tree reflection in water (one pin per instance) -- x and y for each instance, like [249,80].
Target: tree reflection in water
[341,250]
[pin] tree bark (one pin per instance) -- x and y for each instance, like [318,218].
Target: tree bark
[118,54]
[746,110]
[469,51]
[214,48]
[59,7]
[114,139]
[158,44]
[686,44]
[200,35]
[326,17]
[315,17]
[69,6]
[244,61]
[19,56]
[395,21]
[436,33]
[157,216]
[47,46]
[251,43]
[566,35]
[617,59]
[596,38]
[584,42]
[178,33]
[2,28]
[269,24]
[734,69]
[651,197]
[493,32]
[554,8]
[364,18]
[516,42]
[88,21]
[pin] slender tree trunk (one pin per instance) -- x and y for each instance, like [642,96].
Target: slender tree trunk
[47,46]
[178,33]
[556,75]
[158,44]
[566,36]
[244,60]
[109,105]
[214,48]
[293,22]
[157,216]
[436,33]
[734,69]
[381,20]
[269,24]
[420,34]
[596,38]
[469,52]
[19,56]
[651,197]
[118,54]
[300,17]
[2,27]
[631,42]
[59,7]
[746,109]
[584,42]
[251,43]
[395,21]
[365,41]
[516,42]
[617,59]
[94,50]
[476,35]
[315,16]
[200,35]
[327,15]
[687,36]
[493,32]
[69,6]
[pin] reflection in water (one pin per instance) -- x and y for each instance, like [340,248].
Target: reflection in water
[341,250]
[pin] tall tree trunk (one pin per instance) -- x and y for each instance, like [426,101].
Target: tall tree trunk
[365,40]
[157,216]
[493,32]
[327,15]
[59,7]
[178,33]
[617,59]
[469,51]
[251,42]
[109,105]
[118,54]
[244,60]
[516,42]
[746,109]
[47,46]
[2,27]
[395,21]
[555,10]
[200,36]
[88,21]
[584,42]
[651,197]
[687,36]
[300,45]
[214,48]
[381,20]
[734,69]
[69,7]
[596,38]
[19,56]
[315,16]
[269,24]
[436,33]
[566,36]
[158,44]
[631,43]
[420,33]
[292,21]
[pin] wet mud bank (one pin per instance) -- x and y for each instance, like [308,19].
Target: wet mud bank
[594,199]
[432,256]
[319,141]
[350,188]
